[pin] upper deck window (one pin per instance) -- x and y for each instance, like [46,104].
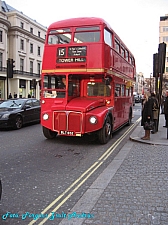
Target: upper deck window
[126,55]
[117,45]
[132,60]
[87,28]
[59,36]
[107,37]
[63,30]
[87,34]
[122,51]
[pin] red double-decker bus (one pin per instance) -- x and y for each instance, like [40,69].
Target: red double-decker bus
[86,81]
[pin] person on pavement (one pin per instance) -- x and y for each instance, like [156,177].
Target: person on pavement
[166,109]
[155,110]
[162,104]
[10,95]
[147,114]
[15,95]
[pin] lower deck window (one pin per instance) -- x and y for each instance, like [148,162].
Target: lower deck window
[54,86]
[98,89]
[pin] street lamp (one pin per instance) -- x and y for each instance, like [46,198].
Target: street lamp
[150,82]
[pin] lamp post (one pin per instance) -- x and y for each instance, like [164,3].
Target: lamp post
[150,82]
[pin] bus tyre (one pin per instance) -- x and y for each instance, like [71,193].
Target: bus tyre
[106,132]
[49,134]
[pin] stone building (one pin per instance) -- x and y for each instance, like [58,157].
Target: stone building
[163,37]
[139,83]
[21,39]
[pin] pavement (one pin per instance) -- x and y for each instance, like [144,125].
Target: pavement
[133,189]
[159,138]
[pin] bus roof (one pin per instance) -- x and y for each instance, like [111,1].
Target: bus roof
[86,21]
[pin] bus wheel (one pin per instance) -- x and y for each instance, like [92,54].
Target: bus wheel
[49,134]
[106,132]
[130,118]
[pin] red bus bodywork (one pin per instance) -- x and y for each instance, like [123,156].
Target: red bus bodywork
[99,73]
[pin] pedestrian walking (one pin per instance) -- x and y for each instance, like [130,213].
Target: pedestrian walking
[155,109]
[166,109]
[162,104]
[29,96]
[10,95]
[15,95]
[147,114]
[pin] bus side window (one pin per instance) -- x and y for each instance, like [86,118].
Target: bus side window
[127,91]
[122,90]
[117,90]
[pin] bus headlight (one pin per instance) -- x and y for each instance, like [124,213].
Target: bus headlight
[93,120]
[45,116]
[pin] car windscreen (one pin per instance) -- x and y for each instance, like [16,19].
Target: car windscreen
[12,103]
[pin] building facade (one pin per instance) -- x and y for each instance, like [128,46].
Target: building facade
[139,83]
[21,39]
[163,37]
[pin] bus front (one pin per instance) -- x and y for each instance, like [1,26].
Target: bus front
[74,94]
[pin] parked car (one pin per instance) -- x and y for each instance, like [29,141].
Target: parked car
[137,98]
[17,112]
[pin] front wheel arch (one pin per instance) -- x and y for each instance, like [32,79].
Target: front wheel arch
[105,133]
[49,134]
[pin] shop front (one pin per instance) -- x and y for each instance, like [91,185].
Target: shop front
[22,88]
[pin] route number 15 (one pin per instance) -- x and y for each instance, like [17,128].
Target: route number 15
[61,52]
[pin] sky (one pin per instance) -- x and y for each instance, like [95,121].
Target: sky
[136,22]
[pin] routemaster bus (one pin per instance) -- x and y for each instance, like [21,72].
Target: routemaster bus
[87,80]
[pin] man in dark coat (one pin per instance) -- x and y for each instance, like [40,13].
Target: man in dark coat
[166,108]
[10,95]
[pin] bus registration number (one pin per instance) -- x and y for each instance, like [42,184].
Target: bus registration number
[66,132]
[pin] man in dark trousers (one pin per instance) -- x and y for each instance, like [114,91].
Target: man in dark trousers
[166,108]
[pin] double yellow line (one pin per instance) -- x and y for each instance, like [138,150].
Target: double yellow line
[83,177]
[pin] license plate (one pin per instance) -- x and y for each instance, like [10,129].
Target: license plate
[62,132]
